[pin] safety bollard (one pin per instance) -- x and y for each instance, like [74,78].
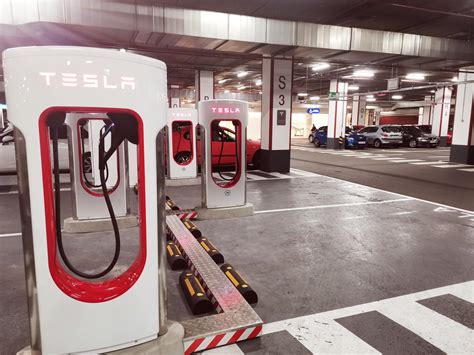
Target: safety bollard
[194,293]
[211,250]
[240,284]
[175,258]
[171,204]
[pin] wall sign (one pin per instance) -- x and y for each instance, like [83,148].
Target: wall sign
[313,110]
[281,117]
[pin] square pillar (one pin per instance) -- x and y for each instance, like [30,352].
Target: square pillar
[359,104]
[441,114]
[337,114]
[427,111]
[204,85]
[462,149]
[277,83]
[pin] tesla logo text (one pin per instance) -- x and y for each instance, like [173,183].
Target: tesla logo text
[88,81]
[180,114]
[225,110]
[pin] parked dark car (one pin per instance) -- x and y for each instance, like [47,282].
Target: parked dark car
[353,139]
[414,137]
[425,128]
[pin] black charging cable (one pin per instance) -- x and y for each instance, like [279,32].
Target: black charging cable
[219,170]
[84,176]
[57,205]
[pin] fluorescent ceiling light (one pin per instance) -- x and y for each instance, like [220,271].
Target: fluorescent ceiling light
[226,91]
[222,81]
[303,94]
[320,66]
[371,99]
[258,82]
[370,96]
[415,76]
[432,91]
[315,98]
[353,87]
[241,88]
[397,97]
[364,73]
[242,74]
[123,50]
[455,79]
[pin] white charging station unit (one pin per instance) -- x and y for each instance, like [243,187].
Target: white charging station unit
[216,191]
[69,314]
[182,143]
[87,201]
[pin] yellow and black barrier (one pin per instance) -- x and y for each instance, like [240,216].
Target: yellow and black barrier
[192,228]
[171,204]
[194,294]
[175,258]
[341,140]
[240,284]
[211,250]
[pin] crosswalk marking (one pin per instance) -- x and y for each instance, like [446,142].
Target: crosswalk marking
[257,175]
[406,160]
[321,334]
[451,166]
[429,163]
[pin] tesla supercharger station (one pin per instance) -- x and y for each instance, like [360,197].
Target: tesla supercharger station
[220,188]
[182,143]
[71,313]
[84,131]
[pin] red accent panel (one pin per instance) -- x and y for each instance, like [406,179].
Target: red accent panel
[194,346]
[399,120]
[81,290]
[236,336]
[255,332]
[83,183]
[270,112]
[215,341]
[335,109]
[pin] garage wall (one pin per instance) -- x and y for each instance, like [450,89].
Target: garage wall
[398,119]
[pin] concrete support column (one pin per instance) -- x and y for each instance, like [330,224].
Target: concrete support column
[204,85]
[427,111]
[441,114]
[337,114]
[277,81]
[420,115]
[359,105]
[175,102]
[462,149]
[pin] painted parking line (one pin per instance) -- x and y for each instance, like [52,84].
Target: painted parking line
[451,166]
[333,206]
[406,160]
[9,235]
[430,163]
[471,170]
[386,158]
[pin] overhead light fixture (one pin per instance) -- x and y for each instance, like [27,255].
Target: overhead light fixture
[353,88]
[241,88]
[371,99]
[258,82]
[226,91]
[222,81]
[369,96]
[242,74]
[123,50]
[315,98]
[455,79]
[320,66]
[415,76]
[302,94]
[397,97]
[363,73]
[433,91]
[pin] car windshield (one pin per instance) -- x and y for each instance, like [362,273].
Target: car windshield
[415,130]
[391,129]
[349,130]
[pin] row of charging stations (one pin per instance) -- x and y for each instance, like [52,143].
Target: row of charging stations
[198,137]
[106,101]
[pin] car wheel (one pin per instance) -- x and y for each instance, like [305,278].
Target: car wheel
[182,157]
[317,143]
[86,163]
[311,138]
[377,143]
[256,160]
[412,143]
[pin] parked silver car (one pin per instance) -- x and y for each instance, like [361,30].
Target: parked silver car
[379,136]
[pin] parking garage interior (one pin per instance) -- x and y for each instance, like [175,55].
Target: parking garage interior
[337,183]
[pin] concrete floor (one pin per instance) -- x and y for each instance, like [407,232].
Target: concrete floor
[315,245]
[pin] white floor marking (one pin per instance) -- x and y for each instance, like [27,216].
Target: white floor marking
[354,217]
[429,163]
[302,172]
[225,350]
[444,333]
[406,160]
[8,235]
[385,158]
[403,213]
[451,166]
[333,206]
[321,334]
[467,170]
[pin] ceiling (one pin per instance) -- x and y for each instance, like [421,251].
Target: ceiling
[183,55]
